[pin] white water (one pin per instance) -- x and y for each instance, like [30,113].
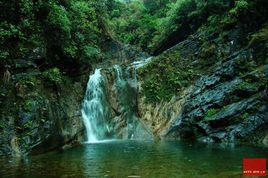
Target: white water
[94,109]
[103,141]
[141,63]
[97,110]
[119,73]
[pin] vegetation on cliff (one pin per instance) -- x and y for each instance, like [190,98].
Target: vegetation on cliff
[46,46]
[206,30]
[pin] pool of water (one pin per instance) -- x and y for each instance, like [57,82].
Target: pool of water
[135,159]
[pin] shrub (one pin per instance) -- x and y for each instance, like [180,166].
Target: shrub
[240,6]
[59,22]
[91,52]
[53,76]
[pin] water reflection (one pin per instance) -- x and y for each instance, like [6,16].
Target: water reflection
[135,159]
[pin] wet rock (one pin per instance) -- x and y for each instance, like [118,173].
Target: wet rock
[223,106]
[229,114]
[29,121]
[265,141]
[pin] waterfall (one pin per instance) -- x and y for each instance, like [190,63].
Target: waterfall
[94,108]
[141,63]
[110,106]
[138,64]
[119,73]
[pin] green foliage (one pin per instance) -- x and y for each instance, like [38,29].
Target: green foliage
[29,105]
[207,50]
[30,81]
[3,55]
[58,21]
[249,85]
[216,23]
[70,49]
[86,29]
[26,82]
[137,22]
[245,116]
[260,36]
[53,76]
[91,52]
[165,77]
[211,112]
[18,29]
[179,10]
[79,30]
[2,126]
[240,7]
[148,23]
[72,31]
[185,17]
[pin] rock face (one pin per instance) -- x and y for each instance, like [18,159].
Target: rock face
[227,100]
[225,106]
[37,117]
[160,117]
[40,108]
[121,93]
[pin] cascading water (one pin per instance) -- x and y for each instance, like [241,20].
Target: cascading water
[138,64]
[127,98]
[110,106]
[119,73]
[141,63]
[94,108]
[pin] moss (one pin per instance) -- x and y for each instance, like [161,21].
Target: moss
[245,116]
[260,36]
[211,112]
[165,77]
[255,80]
[2,126]
[28,105]
[228,21]
[208,50]
[246,85]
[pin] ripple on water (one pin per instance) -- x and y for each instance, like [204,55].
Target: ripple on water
[117,158]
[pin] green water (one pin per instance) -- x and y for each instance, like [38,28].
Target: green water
[135,159]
